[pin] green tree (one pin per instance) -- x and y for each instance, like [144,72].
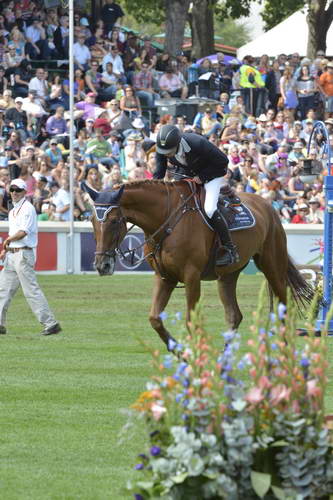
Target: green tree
[275,11]
[319,16]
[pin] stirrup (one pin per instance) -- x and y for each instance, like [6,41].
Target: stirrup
[229,257]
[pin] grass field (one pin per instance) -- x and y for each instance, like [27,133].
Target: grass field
[63,398]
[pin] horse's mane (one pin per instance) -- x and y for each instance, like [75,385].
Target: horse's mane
[149,182]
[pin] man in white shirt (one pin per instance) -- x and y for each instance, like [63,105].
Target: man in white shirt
[61,199]
[81,53]
[38,83]
[19,260]
[117,62]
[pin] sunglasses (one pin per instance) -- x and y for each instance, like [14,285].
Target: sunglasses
[15,190]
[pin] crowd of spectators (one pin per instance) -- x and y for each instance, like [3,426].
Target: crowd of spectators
[260,112]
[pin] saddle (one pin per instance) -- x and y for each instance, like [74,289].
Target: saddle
[236,214]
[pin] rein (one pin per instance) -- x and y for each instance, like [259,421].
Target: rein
[177,213]
[168,231]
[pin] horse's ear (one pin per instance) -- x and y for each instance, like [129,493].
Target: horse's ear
[117,195]
[92,193]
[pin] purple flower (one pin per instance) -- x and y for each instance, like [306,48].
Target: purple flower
[168,361]
[139,467]
[178,315]
[305,362]
[282,311]
[178,397]
[155,451]
[137,496]
[163,315]
[171,343]
[274,346]
[241,365]
[228,336]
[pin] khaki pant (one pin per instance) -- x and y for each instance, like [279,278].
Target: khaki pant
[19,270]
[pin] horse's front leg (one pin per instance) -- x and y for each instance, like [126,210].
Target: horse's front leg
[161,295]
[193,289]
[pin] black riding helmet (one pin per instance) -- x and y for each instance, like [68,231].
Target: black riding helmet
[168,138]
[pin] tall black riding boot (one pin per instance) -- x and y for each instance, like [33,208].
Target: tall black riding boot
[221,227]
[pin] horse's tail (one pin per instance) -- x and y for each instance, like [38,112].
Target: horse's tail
[303,293]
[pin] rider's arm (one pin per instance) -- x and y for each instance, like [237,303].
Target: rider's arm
[161,166]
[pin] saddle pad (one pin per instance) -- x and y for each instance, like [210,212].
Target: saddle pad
[243,218]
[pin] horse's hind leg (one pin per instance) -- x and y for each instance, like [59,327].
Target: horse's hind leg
[227,291]
[161,295]
[275,272]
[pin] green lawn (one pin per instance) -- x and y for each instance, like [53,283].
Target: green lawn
[63,399]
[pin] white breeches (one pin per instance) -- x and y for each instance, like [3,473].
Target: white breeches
[19,270]
[212,189]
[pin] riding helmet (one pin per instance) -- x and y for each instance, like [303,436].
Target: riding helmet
[168,138]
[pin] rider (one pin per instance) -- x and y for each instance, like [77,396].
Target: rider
[206,164]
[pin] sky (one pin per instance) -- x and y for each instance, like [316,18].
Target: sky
[254,21]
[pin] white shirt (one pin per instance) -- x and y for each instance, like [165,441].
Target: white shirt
[33,108]
[23,217]
[81,53]
[40,86]
[117,62]
[33,34]
[62,198]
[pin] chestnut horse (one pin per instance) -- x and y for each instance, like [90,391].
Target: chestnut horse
[178,244]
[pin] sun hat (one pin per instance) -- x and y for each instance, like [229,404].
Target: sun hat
[19,183]
[91,94]
[302,206]
[84,21]
[138,123]
[298,145]
[19,99]
[250,124]
[313,199]
[262,118]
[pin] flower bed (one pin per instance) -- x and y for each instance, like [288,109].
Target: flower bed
[231,426]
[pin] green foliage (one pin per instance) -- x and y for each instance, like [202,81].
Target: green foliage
[214,436]
[232,32]
[145,11]
[275,11]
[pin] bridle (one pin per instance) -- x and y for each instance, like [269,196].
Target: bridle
[103,209]
[101,213]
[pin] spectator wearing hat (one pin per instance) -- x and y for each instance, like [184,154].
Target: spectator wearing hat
[102,121]
[316,215]
[325,84]
[302,213]
[19,259]
[100,149]
[297,152]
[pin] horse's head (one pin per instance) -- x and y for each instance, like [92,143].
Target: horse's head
[109,228]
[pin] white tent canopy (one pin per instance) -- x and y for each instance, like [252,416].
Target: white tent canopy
[285,38]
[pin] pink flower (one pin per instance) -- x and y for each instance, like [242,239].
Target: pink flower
[279,393]
[312,389]
[254,396]
[264,382]
[157,411]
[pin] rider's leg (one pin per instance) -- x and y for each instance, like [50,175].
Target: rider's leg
[218,222]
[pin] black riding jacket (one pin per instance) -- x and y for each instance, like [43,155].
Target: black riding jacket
[204,160]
